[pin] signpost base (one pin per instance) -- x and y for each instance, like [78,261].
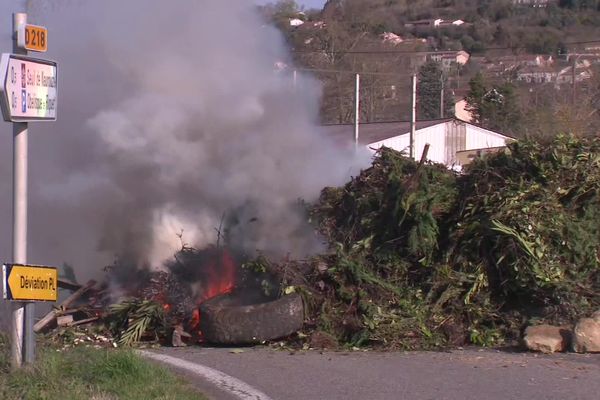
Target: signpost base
[16,336]
[29,352]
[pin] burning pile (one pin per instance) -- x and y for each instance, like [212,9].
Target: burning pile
[420,258]
[165,306]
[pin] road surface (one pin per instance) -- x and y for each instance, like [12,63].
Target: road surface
[461,374]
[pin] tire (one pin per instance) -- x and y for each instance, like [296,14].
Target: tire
[225,324]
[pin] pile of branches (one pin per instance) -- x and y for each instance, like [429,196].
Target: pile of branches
[527,228]
[424,258]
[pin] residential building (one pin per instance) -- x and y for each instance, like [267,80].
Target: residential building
[435,23]
[533,3]
[447,59]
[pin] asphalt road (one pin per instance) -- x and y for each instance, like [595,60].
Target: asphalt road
[462,374]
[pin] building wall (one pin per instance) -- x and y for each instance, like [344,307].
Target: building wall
[460,110]
[434,135]
[399,143]
[455,141]
[445,140]
[479,138]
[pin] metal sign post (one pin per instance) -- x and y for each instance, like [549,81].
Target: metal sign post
[21,312]
[28,92]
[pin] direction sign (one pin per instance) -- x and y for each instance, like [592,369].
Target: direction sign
[29,283]
[32,37]
[28,89]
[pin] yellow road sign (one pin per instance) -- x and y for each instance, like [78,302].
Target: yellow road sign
[33,37]
[29,283]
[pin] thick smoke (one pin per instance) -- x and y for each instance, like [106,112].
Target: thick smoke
[172,119]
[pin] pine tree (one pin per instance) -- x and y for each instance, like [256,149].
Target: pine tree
[429,89]
[495,108]
[477,90]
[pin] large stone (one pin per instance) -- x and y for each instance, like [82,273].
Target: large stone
[547,338]
[586,335]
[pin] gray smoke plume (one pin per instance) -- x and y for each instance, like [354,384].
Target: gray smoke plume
[172,115]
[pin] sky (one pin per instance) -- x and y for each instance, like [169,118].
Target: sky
[306,3]
[312,3]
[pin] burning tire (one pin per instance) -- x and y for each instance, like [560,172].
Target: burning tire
[222,322]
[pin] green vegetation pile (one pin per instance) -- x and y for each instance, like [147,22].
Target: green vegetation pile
[425,258]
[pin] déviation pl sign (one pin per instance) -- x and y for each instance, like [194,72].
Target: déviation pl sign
[29,282]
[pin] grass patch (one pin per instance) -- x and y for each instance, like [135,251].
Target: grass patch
[88,373]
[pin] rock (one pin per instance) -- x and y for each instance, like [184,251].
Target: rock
[547,338]
[178,335]
[586,335]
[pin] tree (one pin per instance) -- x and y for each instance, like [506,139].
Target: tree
[496,107]
[477,90]
[431,82]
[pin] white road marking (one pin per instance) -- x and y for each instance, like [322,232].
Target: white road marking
[234,386]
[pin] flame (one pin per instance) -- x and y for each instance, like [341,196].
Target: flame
[195,321]
[220,277]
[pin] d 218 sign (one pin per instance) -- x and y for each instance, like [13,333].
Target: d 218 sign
[29,89]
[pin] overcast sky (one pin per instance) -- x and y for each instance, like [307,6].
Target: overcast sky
[305,3]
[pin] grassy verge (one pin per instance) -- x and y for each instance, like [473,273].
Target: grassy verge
[88,373]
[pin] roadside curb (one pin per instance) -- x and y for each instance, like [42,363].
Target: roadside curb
[233,386]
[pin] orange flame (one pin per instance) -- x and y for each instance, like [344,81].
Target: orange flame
[220,279]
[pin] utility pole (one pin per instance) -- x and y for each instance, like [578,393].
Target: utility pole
[441,95]
[573,78]
[413,117]
[295,80]
[22,314]
[356,111]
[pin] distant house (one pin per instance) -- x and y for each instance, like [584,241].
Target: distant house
[447,59]
[530,60]
[565,75]
[537,74]
[392,38]
[434,23]
[529,68]
[445,23]
[452,142]
[533,3]
[422,23]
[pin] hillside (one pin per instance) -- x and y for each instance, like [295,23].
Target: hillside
[541,26]
[539,47]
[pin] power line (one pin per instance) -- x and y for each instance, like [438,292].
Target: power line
[341,71]
[392,52]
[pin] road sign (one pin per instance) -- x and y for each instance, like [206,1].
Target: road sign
[28,89]
[32,37]
[29,283]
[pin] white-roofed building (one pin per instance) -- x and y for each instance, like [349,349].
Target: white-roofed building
[452,142]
